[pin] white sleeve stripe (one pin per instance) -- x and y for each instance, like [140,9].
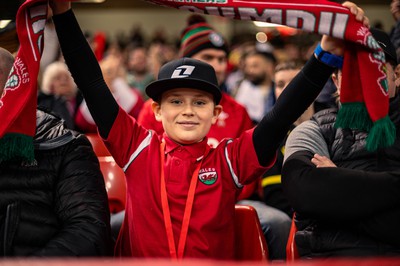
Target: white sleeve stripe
[234,176]
[141,147]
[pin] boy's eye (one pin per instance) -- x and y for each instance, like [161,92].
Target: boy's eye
[199,102]
[175,101]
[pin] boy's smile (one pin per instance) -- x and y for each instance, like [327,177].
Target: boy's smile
[186,114]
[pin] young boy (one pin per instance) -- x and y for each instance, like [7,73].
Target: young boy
[180,192]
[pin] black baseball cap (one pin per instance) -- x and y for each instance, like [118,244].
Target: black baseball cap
[185,73]
[384,42]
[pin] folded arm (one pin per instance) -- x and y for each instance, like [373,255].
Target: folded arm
[330,192]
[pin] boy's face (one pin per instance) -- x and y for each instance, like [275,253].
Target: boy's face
[186,114]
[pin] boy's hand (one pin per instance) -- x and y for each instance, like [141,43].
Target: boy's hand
[358,12]
[336,46]
[322,161]
[59,6]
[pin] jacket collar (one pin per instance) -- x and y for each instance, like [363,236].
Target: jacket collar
[50,132]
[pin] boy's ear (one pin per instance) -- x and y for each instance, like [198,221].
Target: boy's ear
[156,110]
[217,111]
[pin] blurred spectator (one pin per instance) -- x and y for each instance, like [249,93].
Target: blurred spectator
[58,92]
[256,91]
[128,98]
[271,182]
[136,37]
[395,33]
[159,54]
[138,74]
[236,59]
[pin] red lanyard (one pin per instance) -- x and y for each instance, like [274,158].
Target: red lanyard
[187,213]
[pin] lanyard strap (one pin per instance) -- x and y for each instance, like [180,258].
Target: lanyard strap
[167,214]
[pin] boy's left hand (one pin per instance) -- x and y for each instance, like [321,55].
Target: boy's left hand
[335,45]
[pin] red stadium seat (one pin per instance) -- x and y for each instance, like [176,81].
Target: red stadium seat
[250,243]
[114,179]
[291,249]
[98,145]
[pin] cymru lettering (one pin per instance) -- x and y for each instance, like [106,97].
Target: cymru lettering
[334,24]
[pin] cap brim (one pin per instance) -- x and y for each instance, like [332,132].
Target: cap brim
[158,87]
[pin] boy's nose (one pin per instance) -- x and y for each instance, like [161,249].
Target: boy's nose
[188,109]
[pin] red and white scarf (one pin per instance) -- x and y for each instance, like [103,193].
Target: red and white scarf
[364,90]
[18,100]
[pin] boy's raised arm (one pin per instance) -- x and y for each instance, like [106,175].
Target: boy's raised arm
[84,67]
[298,95]
[294,100]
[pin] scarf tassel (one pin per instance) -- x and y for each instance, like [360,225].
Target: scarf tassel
[16,146]
[382,134]
[353,116]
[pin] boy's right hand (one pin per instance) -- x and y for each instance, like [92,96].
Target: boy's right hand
[336,46]
[59,6]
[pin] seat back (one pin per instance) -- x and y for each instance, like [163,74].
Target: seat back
[98,146]
[250,243]
[114,179]
[291,248]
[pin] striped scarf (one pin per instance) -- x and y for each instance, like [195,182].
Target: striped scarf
[364,91]
[18,100]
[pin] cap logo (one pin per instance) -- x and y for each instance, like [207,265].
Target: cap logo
[183,71]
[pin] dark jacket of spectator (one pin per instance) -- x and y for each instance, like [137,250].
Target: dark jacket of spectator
[56,206]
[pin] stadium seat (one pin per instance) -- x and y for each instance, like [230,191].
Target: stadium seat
[250,243]
[98,145]
[114,179]
[291,249]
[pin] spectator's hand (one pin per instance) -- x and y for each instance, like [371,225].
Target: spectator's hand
[336,46]
[395,9]
[322,161]
[59,6]
[111,68]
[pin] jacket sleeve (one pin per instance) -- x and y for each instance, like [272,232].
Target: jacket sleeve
[81,205]
[384,226]
[337,194]
[294,100]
